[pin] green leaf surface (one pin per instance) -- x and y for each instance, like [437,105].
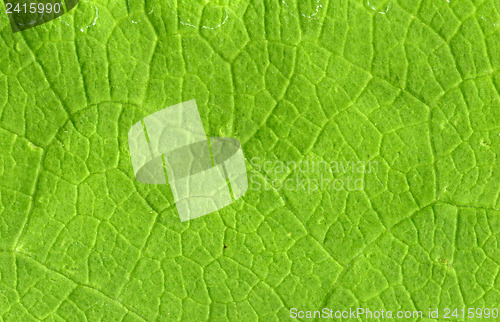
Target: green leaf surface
[411,85]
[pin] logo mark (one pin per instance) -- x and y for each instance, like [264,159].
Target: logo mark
[205,174]
[25,14]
